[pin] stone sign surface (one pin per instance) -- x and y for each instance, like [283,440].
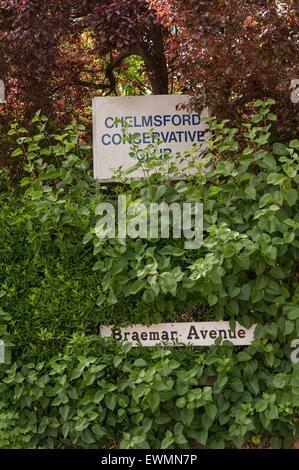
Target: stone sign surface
[180,334]
[171,123]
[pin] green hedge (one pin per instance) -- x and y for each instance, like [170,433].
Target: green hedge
[98,393]
[47,299]
[63,385]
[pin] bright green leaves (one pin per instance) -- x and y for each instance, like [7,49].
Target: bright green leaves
[237,385]
[265,199]
[250,192]
[280,149]
[157,396]
[268,162]
[275,179]
[290,196]
[17,152]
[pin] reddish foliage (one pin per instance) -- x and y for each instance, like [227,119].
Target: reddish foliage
[230,52]
[57,54]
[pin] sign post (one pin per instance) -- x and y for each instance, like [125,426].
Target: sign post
[166,115]
[2,92]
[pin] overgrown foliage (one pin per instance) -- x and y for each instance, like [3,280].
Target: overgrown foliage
[57,55]
[97,392]
[230,53]
[59,280]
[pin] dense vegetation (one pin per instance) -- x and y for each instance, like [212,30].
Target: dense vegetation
[62,384]
[56,55]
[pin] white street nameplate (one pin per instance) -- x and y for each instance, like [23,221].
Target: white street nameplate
[180,334]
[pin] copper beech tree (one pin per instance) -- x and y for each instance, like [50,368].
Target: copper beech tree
[227,53]
[57,53]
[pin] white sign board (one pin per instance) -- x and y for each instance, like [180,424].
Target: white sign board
[180,334]
[2,92]
[176,127]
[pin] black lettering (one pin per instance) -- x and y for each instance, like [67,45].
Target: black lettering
[222,333]
[232,334]
[173,333]
[204,333]
[213,334]
[164,336]
[192,332]
[241,333]
[116,334]
[154,336]
[143,336]
[135,336]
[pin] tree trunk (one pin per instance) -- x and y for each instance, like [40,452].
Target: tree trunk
[156,64]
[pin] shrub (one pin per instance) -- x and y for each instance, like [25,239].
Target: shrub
[98,392]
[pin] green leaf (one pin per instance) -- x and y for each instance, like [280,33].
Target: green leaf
[211,411]
[294,144]
[271,117]
[110,401]
[87,437]
[212,299]
[167,441]
[261,405]
[136,286]
[139,391]
[275,178]
[180,438]
[267,162]
[243,356]
[201,436]
[154,400]
[139,363]
[265,199]
[65,429]
[228,252]
[237,385]
[234,291]
[217,444]
[250,192]
[280,380]
[257,118]
[258,103]
[17,152]
[280,149]
[290,195]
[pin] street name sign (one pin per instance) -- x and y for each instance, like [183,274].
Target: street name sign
[180,334]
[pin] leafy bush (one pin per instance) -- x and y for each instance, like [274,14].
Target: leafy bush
[99,391]
[59,280]
[247,266]
[47,287]
[13,436]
